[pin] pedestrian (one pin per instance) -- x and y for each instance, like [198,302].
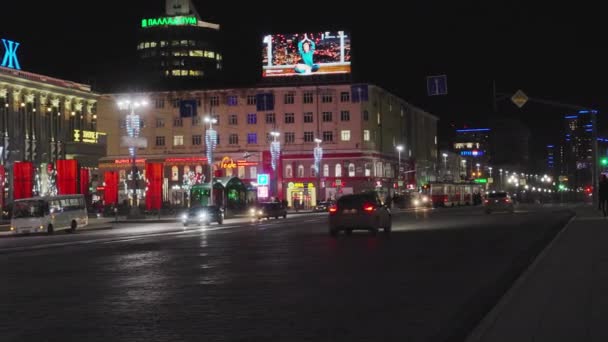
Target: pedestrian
[603,195]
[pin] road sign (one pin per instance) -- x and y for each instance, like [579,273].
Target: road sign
[437,85]
[481,180]
[519,98]
[262,192]
[263,179]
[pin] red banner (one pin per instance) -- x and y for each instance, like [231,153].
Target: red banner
[23,179]
[67,177]
[154,188]
[84,181]
[2,181]
[110,191]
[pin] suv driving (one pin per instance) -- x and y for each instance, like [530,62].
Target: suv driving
[361,211]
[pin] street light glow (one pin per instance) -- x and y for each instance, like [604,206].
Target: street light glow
[400,148]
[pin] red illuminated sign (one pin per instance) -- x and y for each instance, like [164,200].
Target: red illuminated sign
[245,163]
[186,159]
[128,161]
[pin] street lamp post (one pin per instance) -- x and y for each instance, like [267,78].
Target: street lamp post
[399,150]
[275,154]
[133,125]
[210,142]
[478,172]
[445,164]
[318,155]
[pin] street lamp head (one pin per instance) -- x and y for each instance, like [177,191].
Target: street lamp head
[318,141]
[445,155]
[275,134]
[500,170]
[478,165]
[399,148]
[490,168]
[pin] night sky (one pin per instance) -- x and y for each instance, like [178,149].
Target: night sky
[550,52]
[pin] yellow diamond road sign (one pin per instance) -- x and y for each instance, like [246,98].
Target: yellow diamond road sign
[519,98]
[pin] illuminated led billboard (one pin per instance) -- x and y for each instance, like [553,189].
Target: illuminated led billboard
[304,54]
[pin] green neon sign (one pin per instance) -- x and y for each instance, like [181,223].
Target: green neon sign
[481,180]
[169,21]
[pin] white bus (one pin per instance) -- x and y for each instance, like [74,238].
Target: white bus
[49,214]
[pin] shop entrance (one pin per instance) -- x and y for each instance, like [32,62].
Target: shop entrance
[301,195]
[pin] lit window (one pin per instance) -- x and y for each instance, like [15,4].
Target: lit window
[300,171]
[366,135]
[195,53]
[326,170]
[288,171]
[338,170]
[252,138]
[178,140]
[345,135]
[351,170]
[233,100]
[252,119]
[174,173]
[253,171]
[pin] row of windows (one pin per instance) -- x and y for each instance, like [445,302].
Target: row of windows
[252,118]
[253,172]
[252,138]
[184,72]
[251,100]
[382,170]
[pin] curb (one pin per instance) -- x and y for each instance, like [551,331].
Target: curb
[488,320]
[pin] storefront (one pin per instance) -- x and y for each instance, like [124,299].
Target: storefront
[301,195]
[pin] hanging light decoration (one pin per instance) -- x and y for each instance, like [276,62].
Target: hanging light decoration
[275,151]
[318,155]
[211,143]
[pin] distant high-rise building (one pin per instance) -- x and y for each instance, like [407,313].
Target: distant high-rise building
[178,50]
[578,147]
[551,157]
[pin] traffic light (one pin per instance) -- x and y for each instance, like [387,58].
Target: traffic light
[562,187]
[604,161]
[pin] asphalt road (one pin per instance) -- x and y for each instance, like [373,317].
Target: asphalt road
[433,279]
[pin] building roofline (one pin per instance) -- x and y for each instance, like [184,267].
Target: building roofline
[37,79]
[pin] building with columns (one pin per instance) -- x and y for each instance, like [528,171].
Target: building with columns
[44,119]
[358,126]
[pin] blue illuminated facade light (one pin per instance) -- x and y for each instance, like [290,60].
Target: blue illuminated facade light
[571,117]
[550,146]
[10,59]
[472,130]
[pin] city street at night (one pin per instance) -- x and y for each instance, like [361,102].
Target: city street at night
[433,279]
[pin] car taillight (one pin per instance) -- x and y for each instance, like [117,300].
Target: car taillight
[507,200]
[333,209]
[486,201]
[368,207]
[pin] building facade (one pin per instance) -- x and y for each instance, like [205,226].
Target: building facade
[473,145]
[178,49]
[45,119]
[357,126]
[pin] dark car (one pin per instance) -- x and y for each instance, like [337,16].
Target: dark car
[268,210]
[361,211]
[203,215]
[322,206]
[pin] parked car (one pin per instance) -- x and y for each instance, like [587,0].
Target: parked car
[322,206]
[268,210]
[203,215]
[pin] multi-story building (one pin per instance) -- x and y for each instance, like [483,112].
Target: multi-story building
[551,158]
[473,145]
[578,146]
[44,119]
[178,50]
[358,126]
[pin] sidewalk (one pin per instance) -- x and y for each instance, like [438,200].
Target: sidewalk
[563,296]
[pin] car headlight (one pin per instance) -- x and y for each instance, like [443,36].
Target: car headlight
[425,199]
[202,216]
[416,202]
[252,211]
[184,217]
[260,212]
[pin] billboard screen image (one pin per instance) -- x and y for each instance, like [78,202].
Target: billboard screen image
[303,54]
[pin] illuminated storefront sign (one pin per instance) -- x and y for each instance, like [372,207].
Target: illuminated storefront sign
[10,59]
[227,163]
[481,180]
[169,21]
[299,185]
[89,137]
